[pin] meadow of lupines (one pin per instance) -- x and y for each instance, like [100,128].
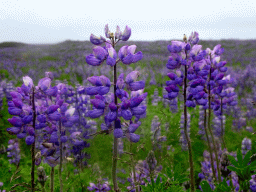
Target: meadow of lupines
[74,130]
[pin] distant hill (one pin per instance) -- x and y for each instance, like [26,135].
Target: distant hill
[12,44]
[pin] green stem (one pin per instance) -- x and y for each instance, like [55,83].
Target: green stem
[209,128]
[192,179]
[52,179]
[209,145]
[114,175]
[133,169]
[61,159]
[221,124]
[33,144]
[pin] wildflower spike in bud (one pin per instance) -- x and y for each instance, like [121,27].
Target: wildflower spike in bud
[118,33]
[97,40]
[109,107]
[185,38]
[193,38]
[107,31]
[28,81]
[126,34]
[111,59]
[98,56]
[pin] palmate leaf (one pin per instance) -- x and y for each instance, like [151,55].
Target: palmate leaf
[233,161]
[178,177]
[252,165]
[223,187]
[239,157]
[235,169]
[205,186]
[155,186]
[247,158]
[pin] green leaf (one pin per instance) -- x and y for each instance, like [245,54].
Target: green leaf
[205,186]
[247,158]
[157,181]
[177,171]
[169,172]
[233,169]
[223,187]
[233,161]
[239,157]
[252,164]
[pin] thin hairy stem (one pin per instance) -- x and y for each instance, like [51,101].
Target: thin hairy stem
[209,128]
[209,145]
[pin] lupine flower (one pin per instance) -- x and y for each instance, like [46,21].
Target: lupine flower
[13,151]
[246,145]
[99,187]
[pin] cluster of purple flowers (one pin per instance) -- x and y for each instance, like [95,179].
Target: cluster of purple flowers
[1,184]
[99,187]
[143,170]
[13,151]
[207,173]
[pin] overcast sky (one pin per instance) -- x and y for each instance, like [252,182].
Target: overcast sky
[53,21]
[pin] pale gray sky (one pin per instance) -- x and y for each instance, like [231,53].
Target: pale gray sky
[53,21]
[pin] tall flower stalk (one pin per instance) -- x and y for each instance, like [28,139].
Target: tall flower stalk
[209,144]
[209,124]
[129,107]
[33,144]
[61,159]
[192,180]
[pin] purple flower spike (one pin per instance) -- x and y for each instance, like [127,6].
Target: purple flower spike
[44,83]
[54,116]
[112,106]
[118,33]
[126,114]
[118,133]
[139,110]
[111,59]
[51,161]
[135,86]
[126,34]
[176,46]
[52,109]
[97,103]
[111,116]
[131,77]
[137,57]
[16,121]
[117,124]
[92,90]
[135,101]
[52,91]
[30,140]
[14,111]
[105,81]
[126,54]
[15,95]
[63,139]
[95,113]
[28,81]
[27,119]
[107,31]
[92,187]
[193,38]
[133,137]
[54,137]
[97,40]
[18,103]
[13,130]
[98,56]
[133,127]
